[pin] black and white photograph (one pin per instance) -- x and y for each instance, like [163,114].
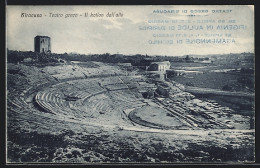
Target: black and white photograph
[123,84]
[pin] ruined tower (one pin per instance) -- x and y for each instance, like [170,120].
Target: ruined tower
[42,44]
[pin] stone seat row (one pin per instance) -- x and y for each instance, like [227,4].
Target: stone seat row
[51,103]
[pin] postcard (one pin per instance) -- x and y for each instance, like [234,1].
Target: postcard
[130,84]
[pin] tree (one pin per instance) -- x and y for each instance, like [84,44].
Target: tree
[187,58]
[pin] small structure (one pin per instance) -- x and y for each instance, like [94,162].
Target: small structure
[159,66]
[42,44]
[172,73]
[158,69]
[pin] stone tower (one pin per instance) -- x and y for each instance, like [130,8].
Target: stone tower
[42,44]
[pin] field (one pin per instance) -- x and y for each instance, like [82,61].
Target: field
[221,77]
[213,76]
[96,112]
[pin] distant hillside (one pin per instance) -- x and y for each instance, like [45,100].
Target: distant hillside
[136,60]
[233,55]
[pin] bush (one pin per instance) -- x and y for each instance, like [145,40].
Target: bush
[227,88]
[189,84]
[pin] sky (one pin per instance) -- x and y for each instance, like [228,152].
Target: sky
[130,33]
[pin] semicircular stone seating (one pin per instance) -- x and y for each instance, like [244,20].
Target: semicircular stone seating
[106,96]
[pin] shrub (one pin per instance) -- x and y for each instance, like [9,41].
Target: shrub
[189,84]
[227,88]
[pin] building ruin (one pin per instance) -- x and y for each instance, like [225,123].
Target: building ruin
[42,44]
